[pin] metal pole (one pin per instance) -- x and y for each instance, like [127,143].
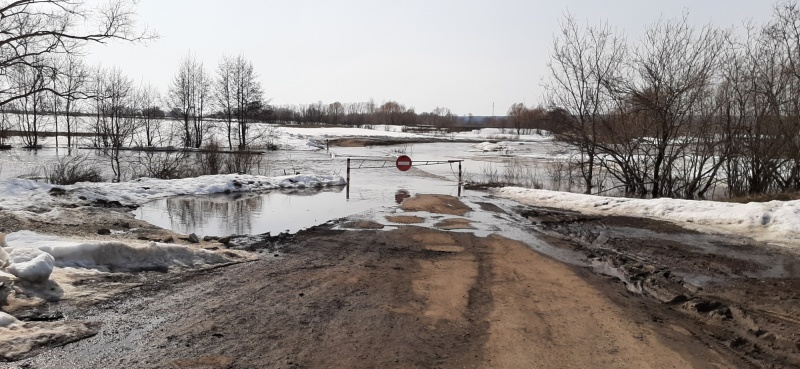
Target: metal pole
[459,179]
[348,178]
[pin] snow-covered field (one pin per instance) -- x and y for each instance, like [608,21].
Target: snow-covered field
[300,138]
[776,222]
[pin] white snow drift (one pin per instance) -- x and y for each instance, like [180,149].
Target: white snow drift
[33,256]
[775,221]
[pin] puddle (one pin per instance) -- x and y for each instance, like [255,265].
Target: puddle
[482,224]
[275,212]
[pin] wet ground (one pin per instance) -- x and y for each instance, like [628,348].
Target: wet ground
[431,284]
[742,294]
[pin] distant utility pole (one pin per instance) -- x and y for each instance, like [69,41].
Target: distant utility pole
[492,109]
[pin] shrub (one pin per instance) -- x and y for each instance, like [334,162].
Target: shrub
[163,165]
[72,169]
[210,160]
[242,162]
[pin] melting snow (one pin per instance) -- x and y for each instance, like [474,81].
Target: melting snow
[111,255]
[775,221]
[19,194]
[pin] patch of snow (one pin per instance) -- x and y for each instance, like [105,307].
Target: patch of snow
[112,255]
[339,132]
[301,138]
[309,181]
[502,134]
[3,255]
[490,146]
[7,320]
[775,221]
[30,264]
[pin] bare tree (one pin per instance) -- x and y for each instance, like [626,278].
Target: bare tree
[224,92]
[114,123]
[30,105]
[33,29]
[73,84]
[182,97]
[674,67]
[149,115]
[335,112]
[517,115]
[202,96]
[586,66]
[248,96]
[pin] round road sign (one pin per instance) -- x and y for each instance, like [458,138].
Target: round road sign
[403,163]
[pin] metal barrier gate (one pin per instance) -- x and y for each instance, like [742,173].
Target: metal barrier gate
[402,163]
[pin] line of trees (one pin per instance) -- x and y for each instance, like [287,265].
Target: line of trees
[364,114]
[682,110]
[43,80]
[233,95]
[39,45]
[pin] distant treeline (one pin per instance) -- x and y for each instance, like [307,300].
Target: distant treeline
[520,119]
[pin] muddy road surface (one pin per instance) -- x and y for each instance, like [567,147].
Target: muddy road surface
[421,288]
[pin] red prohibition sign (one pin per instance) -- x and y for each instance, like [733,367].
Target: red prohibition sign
[403,163]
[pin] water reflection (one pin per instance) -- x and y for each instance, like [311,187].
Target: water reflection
[277,211]
[231,212]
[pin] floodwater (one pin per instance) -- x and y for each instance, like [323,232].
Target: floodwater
[374,182]
[286,210]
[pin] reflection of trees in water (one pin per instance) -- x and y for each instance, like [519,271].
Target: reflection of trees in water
[234,213]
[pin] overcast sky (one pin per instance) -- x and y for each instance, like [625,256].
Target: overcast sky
[461,54]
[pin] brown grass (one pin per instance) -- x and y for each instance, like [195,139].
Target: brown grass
[783,196]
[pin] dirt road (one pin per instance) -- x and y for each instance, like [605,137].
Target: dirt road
[408,296]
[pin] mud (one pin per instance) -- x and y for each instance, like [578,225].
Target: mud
[743,295]
[441,204]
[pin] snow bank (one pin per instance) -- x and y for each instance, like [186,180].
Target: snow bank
[489,146]
[300,138]
[30,265]
[502,134]
[338,132]
[3,253]
[774,221]
[310,181]
[20,194]
[111,256]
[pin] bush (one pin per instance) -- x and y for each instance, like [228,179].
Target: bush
[163,165]
[242,162]
[72,169]
[210,160]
